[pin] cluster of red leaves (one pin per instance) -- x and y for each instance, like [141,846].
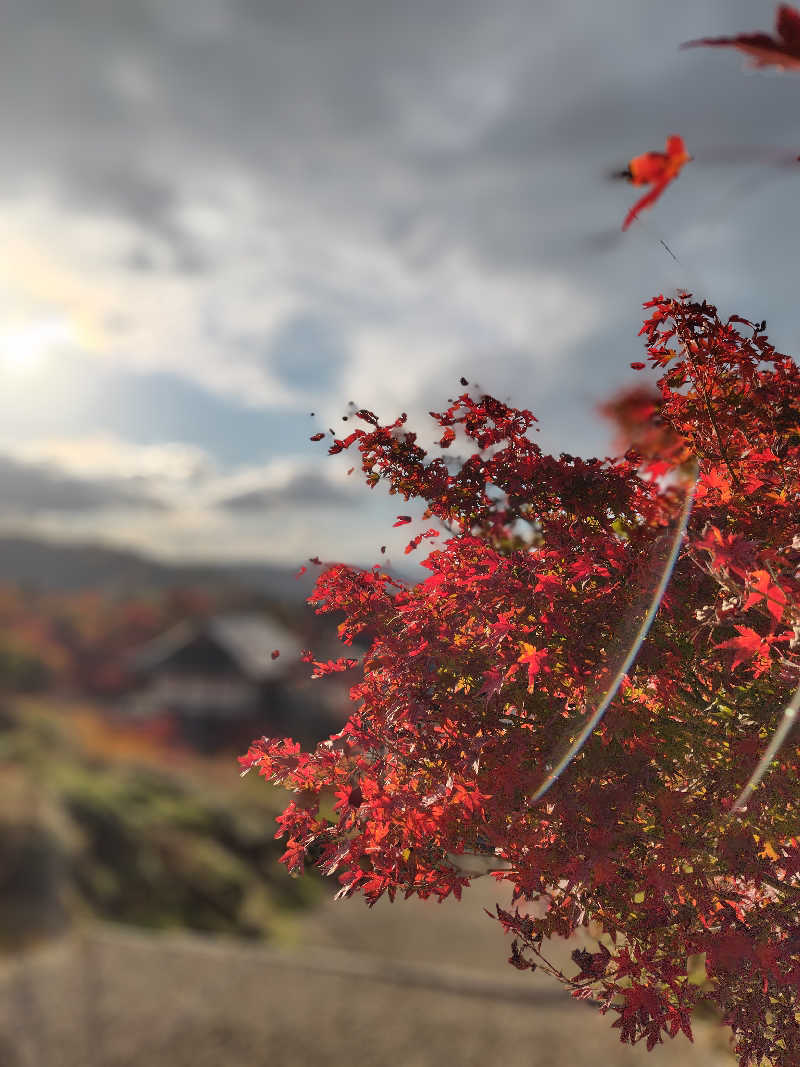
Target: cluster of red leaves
[474,673]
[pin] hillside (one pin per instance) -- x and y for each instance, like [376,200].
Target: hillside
[49,565]
[104,822]
[55,565]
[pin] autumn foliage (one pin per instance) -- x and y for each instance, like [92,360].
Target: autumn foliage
[476,673]
[666,832]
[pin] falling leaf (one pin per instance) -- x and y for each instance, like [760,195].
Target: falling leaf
[657,169]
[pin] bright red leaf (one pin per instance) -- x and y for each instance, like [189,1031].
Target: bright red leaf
[657,169]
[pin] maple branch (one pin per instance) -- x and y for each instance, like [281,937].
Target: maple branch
[551,968]
[712,418]
[777,884]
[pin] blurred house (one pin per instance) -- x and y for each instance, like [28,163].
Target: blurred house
[217,680]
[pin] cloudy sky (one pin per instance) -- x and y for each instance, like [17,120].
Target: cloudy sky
[218,216]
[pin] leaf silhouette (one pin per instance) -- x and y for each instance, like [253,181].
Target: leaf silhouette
[782,51]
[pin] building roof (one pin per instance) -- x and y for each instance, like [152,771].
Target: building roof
[249,639]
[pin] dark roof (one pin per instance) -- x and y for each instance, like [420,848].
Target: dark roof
[248,639]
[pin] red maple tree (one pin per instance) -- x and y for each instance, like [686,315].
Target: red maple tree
[470,705]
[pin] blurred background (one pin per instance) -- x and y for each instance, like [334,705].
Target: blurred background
[222,223]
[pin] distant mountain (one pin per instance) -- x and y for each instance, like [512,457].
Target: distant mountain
[57,565]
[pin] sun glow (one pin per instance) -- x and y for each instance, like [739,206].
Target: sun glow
[26,346]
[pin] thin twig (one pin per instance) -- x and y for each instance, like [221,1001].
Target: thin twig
[712,418]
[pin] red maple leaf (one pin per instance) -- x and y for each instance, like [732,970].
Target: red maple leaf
[657,169]
[763,588]
[728,551]
[503,626]
[782,51]
[746,646]
[533,657]
[492,683]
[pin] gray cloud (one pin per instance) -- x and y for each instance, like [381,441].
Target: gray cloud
[305,489]
[487,128]
[365,160]
[31,488]
[152,203]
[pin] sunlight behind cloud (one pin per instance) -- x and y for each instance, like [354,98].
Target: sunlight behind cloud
[24,347]
[106,455]
[219,217]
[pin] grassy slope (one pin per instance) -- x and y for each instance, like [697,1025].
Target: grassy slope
[94,823]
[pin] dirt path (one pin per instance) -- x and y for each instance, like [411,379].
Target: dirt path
[413,984]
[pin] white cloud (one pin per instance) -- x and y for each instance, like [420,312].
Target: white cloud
[172,499]
[104,455]
[292,480]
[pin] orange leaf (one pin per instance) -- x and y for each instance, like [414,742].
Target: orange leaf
[657,169]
